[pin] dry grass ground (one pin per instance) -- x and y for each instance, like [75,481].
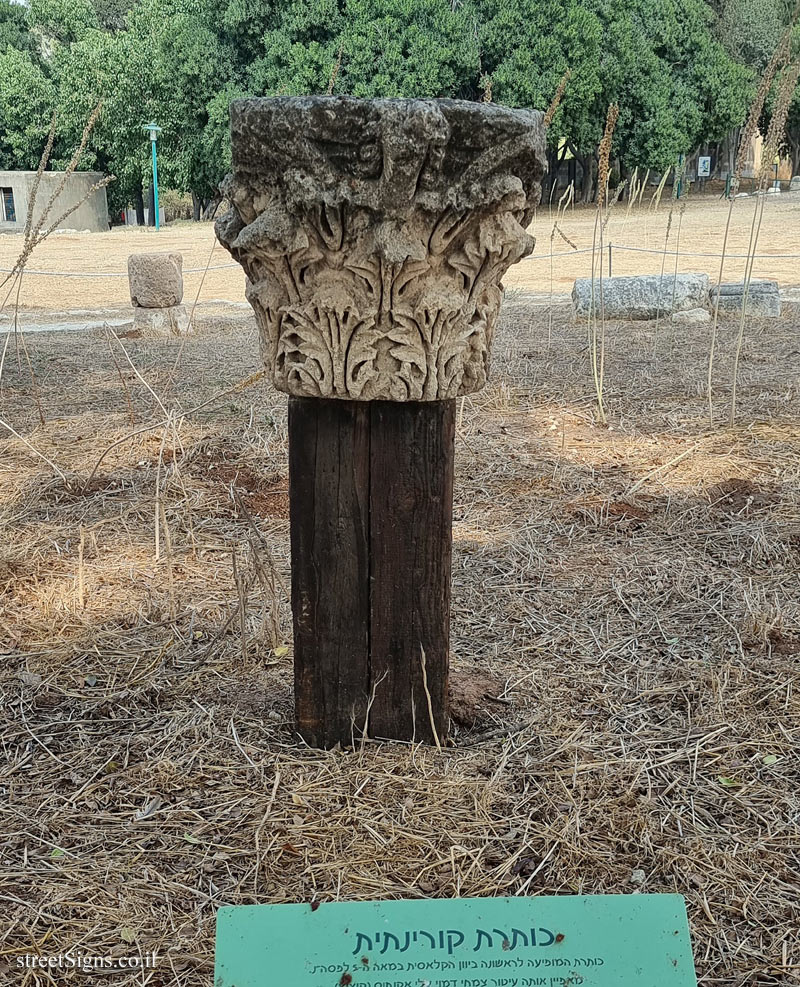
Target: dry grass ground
[701,232]
[631,592]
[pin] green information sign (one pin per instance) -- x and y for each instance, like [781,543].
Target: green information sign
[597,941]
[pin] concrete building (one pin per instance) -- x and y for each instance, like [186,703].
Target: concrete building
[15,190]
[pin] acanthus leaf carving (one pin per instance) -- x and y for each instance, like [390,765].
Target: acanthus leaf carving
[375,234]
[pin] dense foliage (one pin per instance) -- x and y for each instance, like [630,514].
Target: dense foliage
[682,71]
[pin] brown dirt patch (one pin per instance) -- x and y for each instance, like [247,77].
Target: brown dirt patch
[265,494]
[739,495]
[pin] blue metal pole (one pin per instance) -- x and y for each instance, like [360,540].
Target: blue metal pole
[155,183]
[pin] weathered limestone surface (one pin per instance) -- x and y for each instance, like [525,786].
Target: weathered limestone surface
[763,298]
[156,280]
[794,184]
[170,321]
[374,235]
[644,296]
[691,317]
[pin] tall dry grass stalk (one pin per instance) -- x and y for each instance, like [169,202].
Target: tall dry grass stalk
[34,234]
[337,65]
[632,192]
[655,200]
[557,97]
[563,204]
[772,144]
[779,58]
[643,186]
[597,342]
[677,180]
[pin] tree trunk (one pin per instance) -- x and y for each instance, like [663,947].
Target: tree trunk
[138,201]
[211,207]
[197,206]
[370,491]
[794,151]
[587,162]
[552,172]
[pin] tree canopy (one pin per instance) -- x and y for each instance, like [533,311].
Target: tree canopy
[683,73]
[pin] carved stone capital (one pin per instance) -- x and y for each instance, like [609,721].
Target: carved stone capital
[374,235]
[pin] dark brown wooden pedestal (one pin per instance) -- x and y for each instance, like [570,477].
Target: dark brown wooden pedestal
[371,494]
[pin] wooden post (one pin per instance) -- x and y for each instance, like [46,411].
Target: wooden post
[371,491]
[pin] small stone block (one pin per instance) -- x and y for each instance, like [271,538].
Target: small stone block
[170,321]
[794,184]
[691,317]
[763,298]
[156,280]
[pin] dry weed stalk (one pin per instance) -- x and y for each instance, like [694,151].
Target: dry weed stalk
[563,205]
[598,346]
[633,192]
[779,58]
[617,196]
[334,72]
[655,201]
[604,155]
[487,89]
[680,171]
[557,97]
[643,186]
[772,144]
[33,235]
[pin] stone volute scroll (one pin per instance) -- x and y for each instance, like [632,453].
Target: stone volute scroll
[374,235]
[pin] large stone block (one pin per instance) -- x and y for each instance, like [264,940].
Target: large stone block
[156,280]
[763,298]
[171,321]
[375,234]
[643,296]
[794,184]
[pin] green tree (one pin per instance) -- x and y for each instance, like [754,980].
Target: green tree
[109,68]
[62,21]
[408,48]
[26,106]
[298,50]
[15,29]
[750,29]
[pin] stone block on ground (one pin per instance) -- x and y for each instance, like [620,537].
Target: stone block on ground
[790,301]
[156,280]
[691,317]
[794,184]
[170,321]
[643,296]
[763,298]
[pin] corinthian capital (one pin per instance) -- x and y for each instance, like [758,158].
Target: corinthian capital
[374,235]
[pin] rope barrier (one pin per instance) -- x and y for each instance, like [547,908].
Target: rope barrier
[559,253]
[111,274]
[689,253]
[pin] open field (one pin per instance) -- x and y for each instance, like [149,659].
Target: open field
[625,619]
[702,229]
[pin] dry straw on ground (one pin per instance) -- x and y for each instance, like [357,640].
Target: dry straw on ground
[631,591]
